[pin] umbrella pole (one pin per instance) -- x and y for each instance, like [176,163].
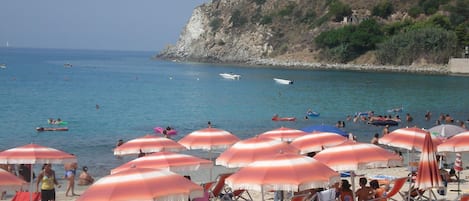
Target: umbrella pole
[352,178]
[262,193]
[210,158]
[31,182]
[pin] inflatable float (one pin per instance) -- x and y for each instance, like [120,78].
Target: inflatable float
[276,118]
[170,131]
[40,129]
[313,114]
[384,122]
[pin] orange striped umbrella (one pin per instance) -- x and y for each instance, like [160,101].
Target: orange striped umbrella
[457,143]
[148,144]
[208,139]
[357,156]
[166,160]
[407,138]
[9,181]
[283,134]
[142,184]
[317,141]
[34,153]
[252,149]
[283,171]
[428,175]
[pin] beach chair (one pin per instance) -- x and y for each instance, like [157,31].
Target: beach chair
[396,188]
[219,191]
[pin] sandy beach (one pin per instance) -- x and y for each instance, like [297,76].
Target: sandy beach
[202,176]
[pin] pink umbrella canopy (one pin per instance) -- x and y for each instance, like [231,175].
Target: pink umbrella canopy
[208,139]
[457,143]
[166,160]
[252,149]
[357,156]
[283,134]
[148,144]
[142,184]
[283,171]
[9,181]
[428,175]
[407,138]
[317,141]
[33,154]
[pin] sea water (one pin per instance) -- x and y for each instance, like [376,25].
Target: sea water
[135,94]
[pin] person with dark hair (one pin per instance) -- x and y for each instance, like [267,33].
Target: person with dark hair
[48,182]
[378,191]
[85,178]
[24,172]
[365,192]
[345,193]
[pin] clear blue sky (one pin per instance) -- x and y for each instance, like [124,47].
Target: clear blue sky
[94,24]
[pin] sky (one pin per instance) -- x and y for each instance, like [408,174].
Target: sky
[148,25]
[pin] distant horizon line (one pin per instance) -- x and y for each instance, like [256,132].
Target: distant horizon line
[82,49]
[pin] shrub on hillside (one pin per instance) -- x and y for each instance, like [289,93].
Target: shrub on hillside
[384,9]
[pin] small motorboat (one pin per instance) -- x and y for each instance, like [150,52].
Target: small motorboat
[230,76]
[169,130]
[3,66]
[283,81]
[40,129]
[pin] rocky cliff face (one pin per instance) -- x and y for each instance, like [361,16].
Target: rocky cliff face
[210,36]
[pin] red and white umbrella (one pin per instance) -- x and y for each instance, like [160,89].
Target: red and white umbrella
[252,149]
[148,144]
[317,141]
[166,160]
[9,181]
[33,154]
[283,134]
[407,138]
[142,184]
[457,143]
[357,156]
[428,175]
[283,171]
[208,139]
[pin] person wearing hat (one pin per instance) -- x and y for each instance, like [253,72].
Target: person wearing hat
[85,178]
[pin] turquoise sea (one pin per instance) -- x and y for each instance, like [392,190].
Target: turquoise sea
[136,93]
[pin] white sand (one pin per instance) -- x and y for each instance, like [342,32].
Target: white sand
[202,176]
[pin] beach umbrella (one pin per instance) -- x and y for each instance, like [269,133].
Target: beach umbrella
[142,184]
[357,156]
[317,141]
[9,181]
[407,138]
[457,143]
[166,160]
[324,128]
[252,149]
[148,144]
[284,172]
[33,154]
[428,175]
[209,139]
[446,130]
[283,134]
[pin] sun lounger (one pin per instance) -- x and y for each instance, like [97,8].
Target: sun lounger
[396,188]
[218,190]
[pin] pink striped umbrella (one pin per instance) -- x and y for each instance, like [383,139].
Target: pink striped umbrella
[428,175]
[166,160]
[407,138]
[252,149]
[148,144]
[283,134]
[283,171]
[208,139]
[317,141]
[356,156]
[9,181]
[457,143]
[33,154]
[142,184]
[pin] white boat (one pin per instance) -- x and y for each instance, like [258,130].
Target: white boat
[283,81]
[3,66]
[231,76]
[67,65]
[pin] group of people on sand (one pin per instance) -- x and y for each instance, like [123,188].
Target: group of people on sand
[46,181]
